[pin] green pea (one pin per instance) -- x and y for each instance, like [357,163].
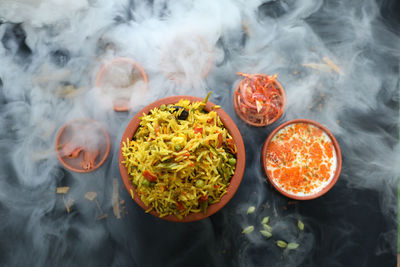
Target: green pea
[163,107]
[232,161]
[177,148]
[146,182]
[199,183]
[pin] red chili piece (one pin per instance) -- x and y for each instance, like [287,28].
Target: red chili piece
[219,140]
[198,130]
[203,198]
[149,176]
[179,205]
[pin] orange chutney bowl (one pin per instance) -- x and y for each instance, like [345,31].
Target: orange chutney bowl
[302,159]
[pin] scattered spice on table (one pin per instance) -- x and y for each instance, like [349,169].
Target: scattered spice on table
[102,217]
[62,190]
[115,199]
[248,229]
[292,246]
[281,244]
[68,204]
[251,210]
[265,220]
[266,233]
[90,195]
[300,225]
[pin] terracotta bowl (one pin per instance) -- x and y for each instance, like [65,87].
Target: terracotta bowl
[254,121]
[235,180]
[324,189]
[121,103]
[76,133]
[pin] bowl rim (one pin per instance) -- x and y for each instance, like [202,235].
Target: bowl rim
[338,159]
[57,143]
[115,60]
[236,179]
[280,113]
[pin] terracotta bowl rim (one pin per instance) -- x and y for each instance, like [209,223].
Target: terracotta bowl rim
[235,180]
[57,141]
[338,157]
[122,59]
[283,94]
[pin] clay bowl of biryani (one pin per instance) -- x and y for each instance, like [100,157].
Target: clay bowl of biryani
[182,158]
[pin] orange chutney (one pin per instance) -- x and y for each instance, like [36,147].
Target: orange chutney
[301,159]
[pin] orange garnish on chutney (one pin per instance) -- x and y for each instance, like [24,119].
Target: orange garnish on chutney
[259,98]
[301,159]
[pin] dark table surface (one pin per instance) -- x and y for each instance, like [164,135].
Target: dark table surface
[354,224]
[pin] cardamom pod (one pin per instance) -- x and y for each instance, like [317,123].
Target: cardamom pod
[265,220]
[251,209]
[292,245]
[267,227]
[266,233]
[300,224]
[248,229]
[281,244]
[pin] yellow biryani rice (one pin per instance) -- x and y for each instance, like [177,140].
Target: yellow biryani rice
[181,158]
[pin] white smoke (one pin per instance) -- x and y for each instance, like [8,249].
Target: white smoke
[337,61]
